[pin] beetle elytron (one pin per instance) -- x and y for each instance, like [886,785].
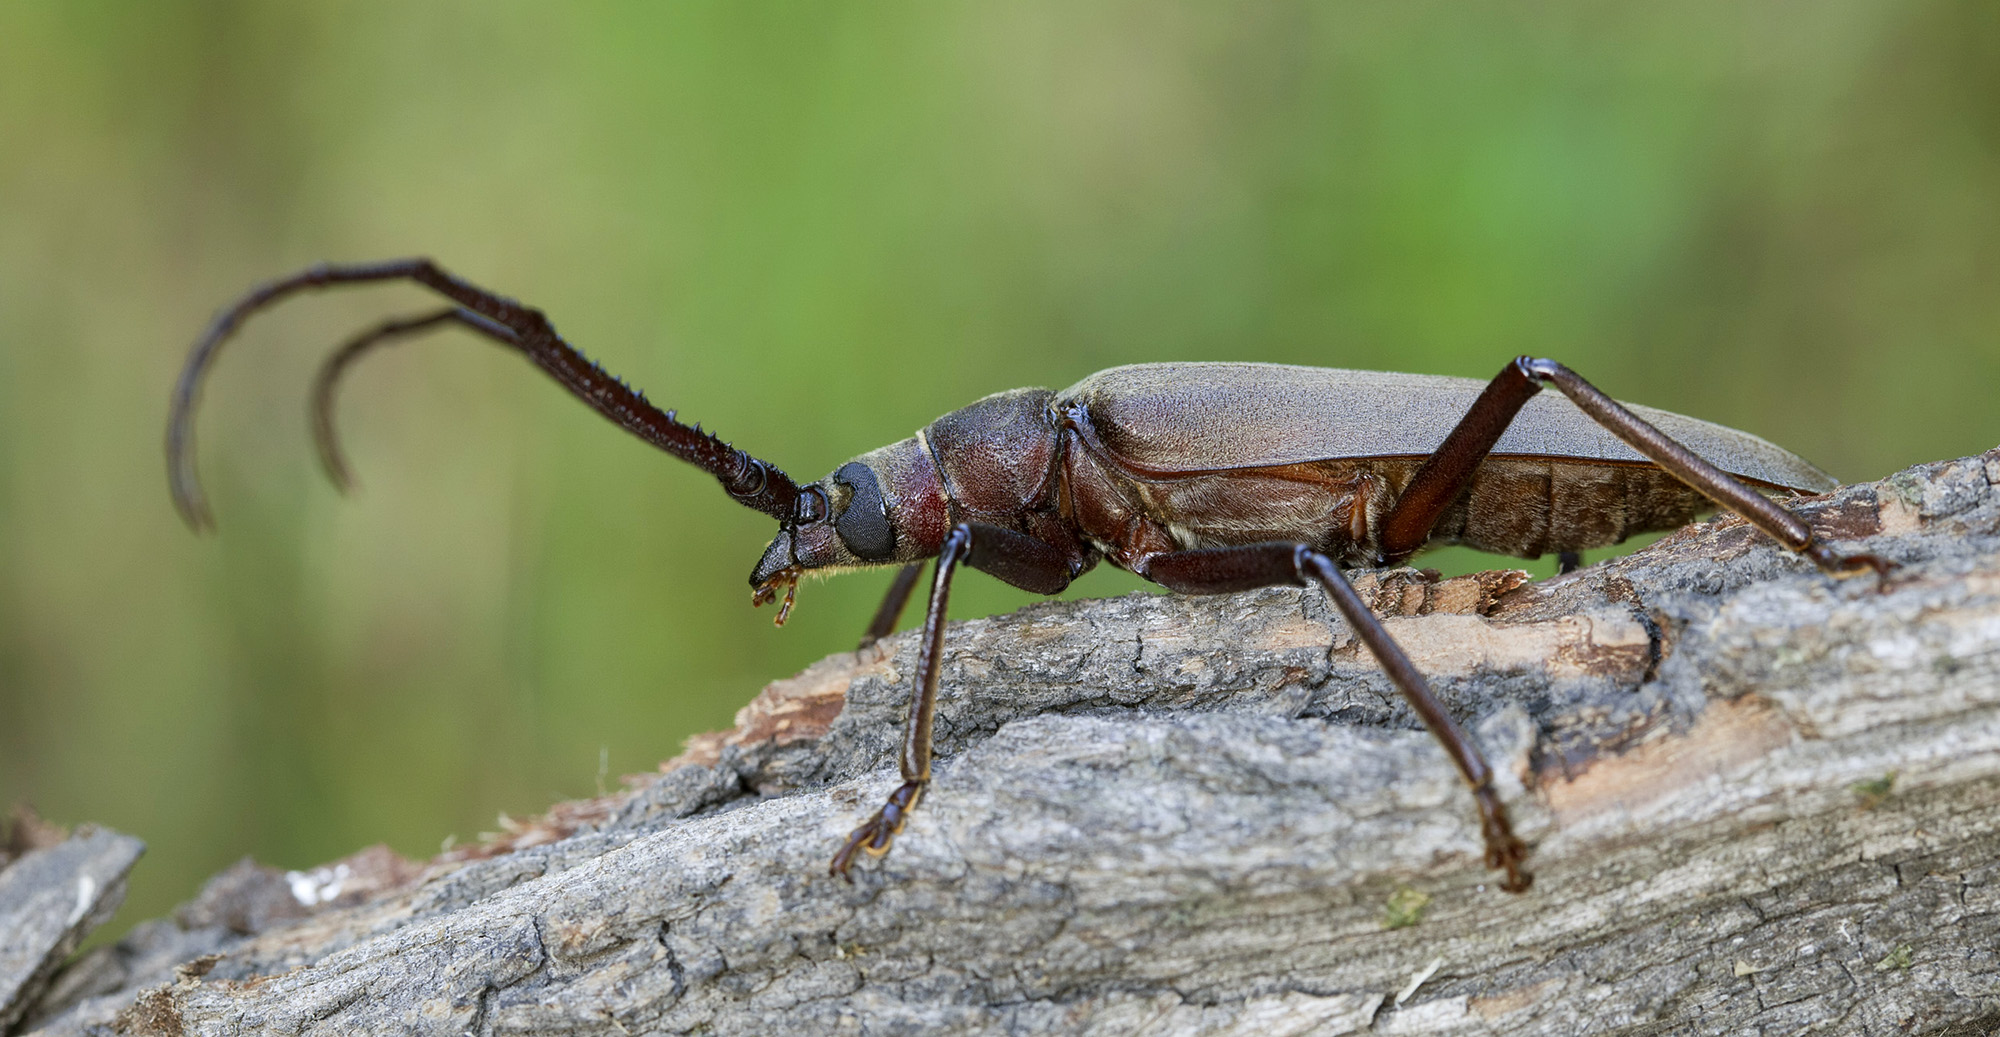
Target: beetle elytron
[1205,478]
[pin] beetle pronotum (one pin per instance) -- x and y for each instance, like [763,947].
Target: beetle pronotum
[1205,478]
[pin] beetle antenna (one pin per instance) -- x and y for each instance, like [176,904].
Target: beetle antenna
[754,483]
[326,436]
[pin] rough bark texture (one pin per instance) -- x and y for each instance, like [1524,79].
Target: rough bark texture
[1761,801]
[54,889]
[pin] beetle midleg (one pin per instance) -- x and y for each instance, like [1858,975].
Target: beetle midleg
[891,609]
[1020,560]
[1221,570]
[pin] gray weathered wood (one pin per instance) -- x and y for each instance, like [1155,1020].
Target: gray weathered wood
[1168,815]
[50,899]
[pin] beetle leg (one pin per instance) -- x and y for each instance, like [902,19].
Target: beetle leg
[892,605]
[1225,569]
[1020,560]
[1715,484]
[879,831]
[1450,469]
[1568,562]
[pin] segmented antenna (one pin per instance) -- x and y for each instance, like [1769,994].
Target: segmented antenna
[754,483]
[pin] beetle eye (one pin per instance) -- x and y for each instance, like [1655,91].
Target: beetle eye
[864,524]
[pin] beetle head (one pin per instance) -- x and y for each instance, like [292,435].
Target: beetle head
[886,507]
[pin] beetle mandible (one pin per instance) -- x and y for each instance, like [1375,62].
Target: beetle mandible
[1204,478]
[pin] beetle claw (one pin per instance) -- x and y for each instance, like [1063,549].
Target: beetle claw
[1882,566]
[873,838]
[1846,565]
[879,832]
[1503,849]
[1510,856]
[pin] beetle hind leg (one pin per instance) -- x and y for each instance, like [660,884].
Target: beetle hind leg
[1449,470]
[1715,484]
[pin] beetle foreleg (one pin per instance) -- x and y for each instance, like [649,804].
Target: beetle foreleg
[879,831]
[1225,569]
[1020,560]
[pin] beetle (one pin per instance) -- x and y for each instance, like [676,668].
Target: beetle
[1204,478]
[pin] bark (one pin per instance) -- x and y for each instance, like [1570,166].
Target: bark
[54,889]
[1761,800]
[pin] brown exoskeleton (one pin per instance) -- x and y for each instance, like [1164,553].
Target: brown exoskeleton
[1205,478]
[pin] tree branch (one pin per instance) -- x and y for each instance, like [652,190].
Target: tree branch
[1760,800]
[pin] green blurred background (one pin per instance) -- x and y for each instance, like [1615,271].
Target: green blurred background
[814,228]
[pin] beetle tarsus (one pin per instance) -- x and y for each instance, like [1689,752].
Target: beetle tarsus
[1846,565]
[1223,570]
[877,833]
[1504,851]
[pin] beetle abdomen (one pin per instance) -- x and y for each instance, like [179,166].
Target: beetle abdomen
[1531,506]
[1526,507]
[1520,506]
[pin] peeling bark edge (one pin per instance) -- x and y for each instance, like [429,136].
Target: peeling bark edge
[1762,800]
[51,897]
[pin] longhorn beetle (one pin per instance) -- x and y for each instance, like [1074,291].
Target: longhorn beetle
[1205,478]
